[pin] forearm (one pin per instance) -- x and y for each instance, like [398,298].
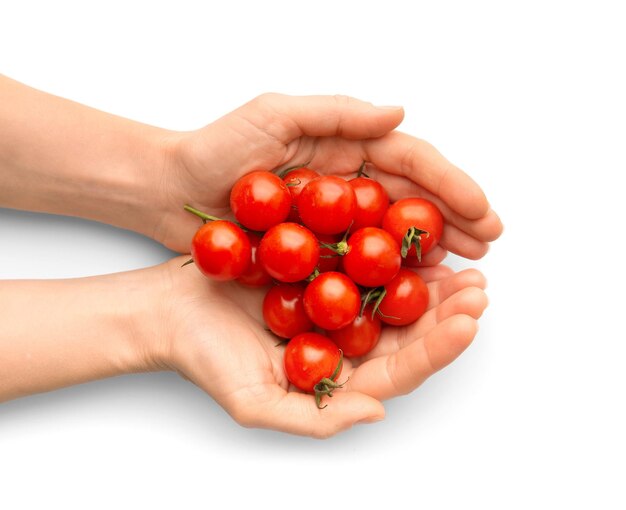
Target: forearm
[61,157]
[65,332]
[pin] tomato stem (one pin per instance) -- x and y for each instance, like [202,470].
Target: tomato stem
[190,261]
[282,174]
[327,384]
[207,217]
[295,182]
[361,170]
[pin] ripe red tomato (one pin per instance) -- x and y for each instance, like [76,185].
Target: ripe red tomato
[329,260]
[372,201]
[283,310]
[296,180]
[332,300]
[289,252]
[254,275]
[260,200]
[360,336]
[221,250]
[406,299]
[309,358]
[414,212]
[327,204]
[373,257]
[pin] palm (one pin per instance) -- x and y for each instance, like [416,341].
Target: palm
[220,343]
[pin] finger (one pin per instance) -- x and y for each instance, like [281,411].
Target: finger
[286,118]
[441,290]
[462,244]
[401,154]
[486,229]
[470,301]
[403,371]
[434,273]
[297,413]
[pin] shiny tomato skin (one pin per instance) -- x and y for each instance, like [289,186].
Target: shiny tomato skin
[360,336]
[260,200]
[332,300]
[414,212]
[309,358]
[254,275]
[329,260]
[406,299]
[221,250]
[296,180]
[373,257]
[327,204]
[283,310]
[372,201]
[289,252]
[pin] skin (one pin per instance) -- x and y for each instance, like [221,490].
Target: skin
[61,157]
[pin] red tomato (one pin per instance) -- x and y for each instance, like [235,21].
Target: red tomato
[373,257]
[309,358]
[289,252]
[414,212]
[372,202]
[296,180]
[327,204]
[254,275]
[329,260]
[332,300]
[360,336]
[221,250]
[283,310]
[406,299]
[260,200]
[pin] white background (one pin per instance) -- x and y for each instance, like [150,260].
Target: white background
[528,98]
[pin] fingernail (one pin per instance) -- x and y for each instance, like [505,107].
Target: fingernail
[385,107]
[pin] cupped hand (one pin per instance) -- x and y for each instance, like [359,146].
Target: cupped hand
[333,135]
[215,337]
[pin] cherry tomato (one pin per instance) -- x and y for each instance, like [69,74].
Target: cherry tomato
[289,252]
[283,310]
[296,180]
[406,299]
[372,201]
[360,336]
[373,257]
[329,260]
[327,204]
[332,300]
[414,212]
[254,275]
[260,200]
[221,250]
[309,358]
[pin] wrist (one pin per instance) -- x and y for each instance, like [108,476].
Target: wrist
[143,317]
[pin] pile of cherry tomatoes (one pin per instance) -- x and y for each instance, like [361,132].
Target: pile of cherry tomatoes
[335,256]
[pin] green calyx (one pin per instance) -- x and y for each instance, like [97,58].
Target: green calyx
[412,238]
[327,385]
[376,296]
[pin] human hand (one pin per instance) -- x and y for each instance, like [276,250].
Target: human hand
[333,134]
[213,334]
